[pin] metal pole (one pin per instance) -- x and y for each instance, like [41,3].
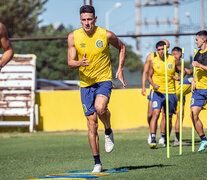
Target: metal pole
[202,16]
[87,2]
[138,22]
[176,22]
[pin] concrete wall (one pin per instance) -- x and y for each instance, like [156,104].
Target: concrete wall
[62,110]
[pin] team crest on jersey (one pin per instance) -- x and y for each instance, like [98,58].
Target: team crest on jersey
[84,108]
[82,45]
[154,104]
[99,43]
[192,101]
[170,66]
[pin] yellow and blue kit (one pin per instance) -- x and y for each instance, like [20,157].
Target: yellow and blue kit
[96,78]
[199,96]
[159,95]
[97,51]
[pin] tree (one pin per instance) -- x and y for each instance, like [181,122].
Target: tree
[52,55]
[21,16]
[133,61]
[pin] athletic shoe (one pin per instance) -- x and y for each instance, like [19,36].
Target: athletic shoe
[97,168]
[153,144]
[109,142]
[162,141]
[149,139]
[203,146]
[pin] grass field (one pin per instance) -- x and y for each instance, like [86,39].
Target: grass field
[24,155]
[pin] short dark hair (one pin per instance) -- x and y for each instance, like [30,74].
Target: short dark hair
[160,43]
[87,9]
[178,49]
[202,33]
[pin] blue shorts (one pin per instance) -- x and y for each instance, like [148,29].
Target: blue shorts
[149,97]
[199,97]
[159,100]
[88,95]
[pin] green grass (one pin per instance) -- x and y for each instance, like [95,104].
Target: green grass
[24,155]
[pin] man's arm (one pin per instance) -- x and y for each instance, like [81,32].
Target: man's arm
[151,72]
[198,65]
[193,84]
[145,73]
[6,45]
[72,54]
[117,43]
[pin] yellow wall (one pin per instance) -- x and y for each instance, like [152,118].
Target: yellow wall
[62,110]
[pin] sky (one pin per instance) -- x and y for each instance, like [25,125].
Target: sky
[122,20]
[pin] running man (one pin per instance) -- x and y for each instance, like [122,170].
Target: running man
[199,86]
[177,53]
[6,45]
[149,58]
[157,80]
[88,50]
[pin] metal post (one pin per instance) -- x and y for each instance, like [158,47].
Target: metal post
[176,20]
[87,2]
[138,23]
[202,16]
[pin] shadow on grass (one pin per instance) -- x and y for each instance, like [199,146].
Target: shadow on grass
[142,167]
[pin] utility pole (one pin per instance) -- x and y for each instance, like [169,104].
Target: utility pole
[202,16]
[139,22]
[176,22]
[87,2]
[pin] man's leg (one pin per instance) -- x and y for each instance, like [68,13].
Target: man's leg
[93,138]
[195,110]
[162,128]
[104,115]
[149,112]
[149,117]
[153,127]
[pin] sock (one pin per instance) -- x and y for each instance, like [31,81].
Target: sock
[153,137]
[162,135]
[97,159]
[108,131]
[177,136]
[203,137]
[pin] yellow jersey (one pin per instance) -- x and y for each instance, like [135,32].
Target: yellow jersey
[159,73]
[201,75]
[97,51]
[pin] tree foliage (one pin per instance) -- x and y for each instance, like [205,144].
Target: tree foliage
[52,55]
[21,16]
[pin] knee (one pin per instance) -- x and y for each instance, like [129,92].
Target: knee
[100,109]
[92,125]
[156,114]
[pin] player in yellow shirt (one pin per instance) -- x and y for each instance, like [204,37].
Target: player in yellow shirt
[157,80]
[88,50]
[177,53]
[6,45]
[149,58]
[199,86]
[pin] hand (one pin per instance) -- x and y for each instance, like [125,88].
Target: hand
[195,64]
[120,76]
[177,78]
[83,62]
[156,87]
[193,85]
[143,91]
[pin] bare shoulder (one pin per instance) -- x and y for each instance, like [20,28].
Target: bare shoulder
[2,29]
[110,36]
[71,39]
[148,59]
[71,35]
